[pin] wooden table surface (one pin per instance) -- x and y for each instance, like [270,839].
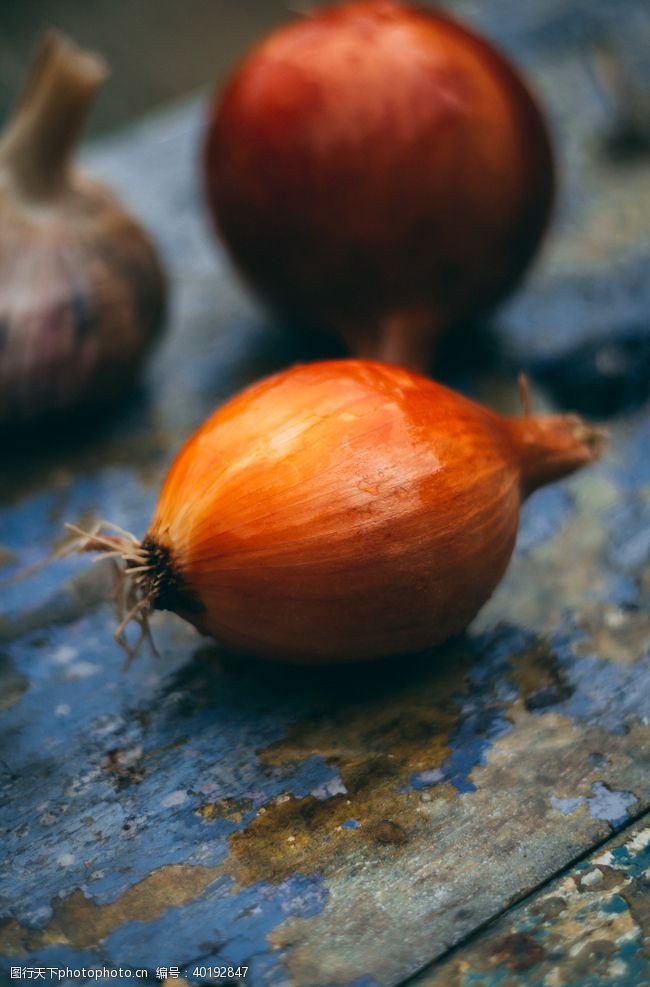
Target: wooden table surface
[473,817]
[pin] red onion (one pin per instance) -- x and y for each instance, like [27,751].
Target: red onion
[380,170]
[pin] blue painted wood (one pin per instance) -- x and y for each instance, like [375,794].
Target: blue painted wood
[590,926]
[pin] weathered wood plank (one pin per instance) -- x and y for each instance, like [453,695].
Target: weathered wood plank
[591,926]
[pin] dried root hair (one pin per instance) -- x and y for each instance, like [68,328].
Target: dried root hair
[133,571]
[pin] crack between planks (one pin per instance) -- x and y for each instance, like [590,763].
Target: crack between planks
[478,931]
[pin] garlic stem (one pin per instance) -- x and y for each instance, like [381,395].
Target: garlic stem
[37,145]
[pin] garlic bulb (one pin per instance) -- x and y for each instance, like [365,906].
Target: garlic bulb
[81,286]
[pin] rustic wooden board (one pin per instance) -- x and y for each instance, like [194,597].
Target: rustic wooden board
[333,827]
[590,926]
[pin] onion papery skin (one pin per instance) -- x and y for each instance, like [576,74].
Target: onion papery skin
[348,510]
[379,170]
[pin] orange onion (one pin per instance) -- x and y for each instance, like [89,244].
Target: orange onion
[343,510]
[380,170]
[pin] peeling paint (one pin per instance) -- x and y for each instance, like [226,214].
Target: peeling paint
[584,928]
[603,803]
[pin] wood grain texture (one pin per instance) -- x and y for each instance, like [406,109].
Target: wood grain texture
[592,925]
